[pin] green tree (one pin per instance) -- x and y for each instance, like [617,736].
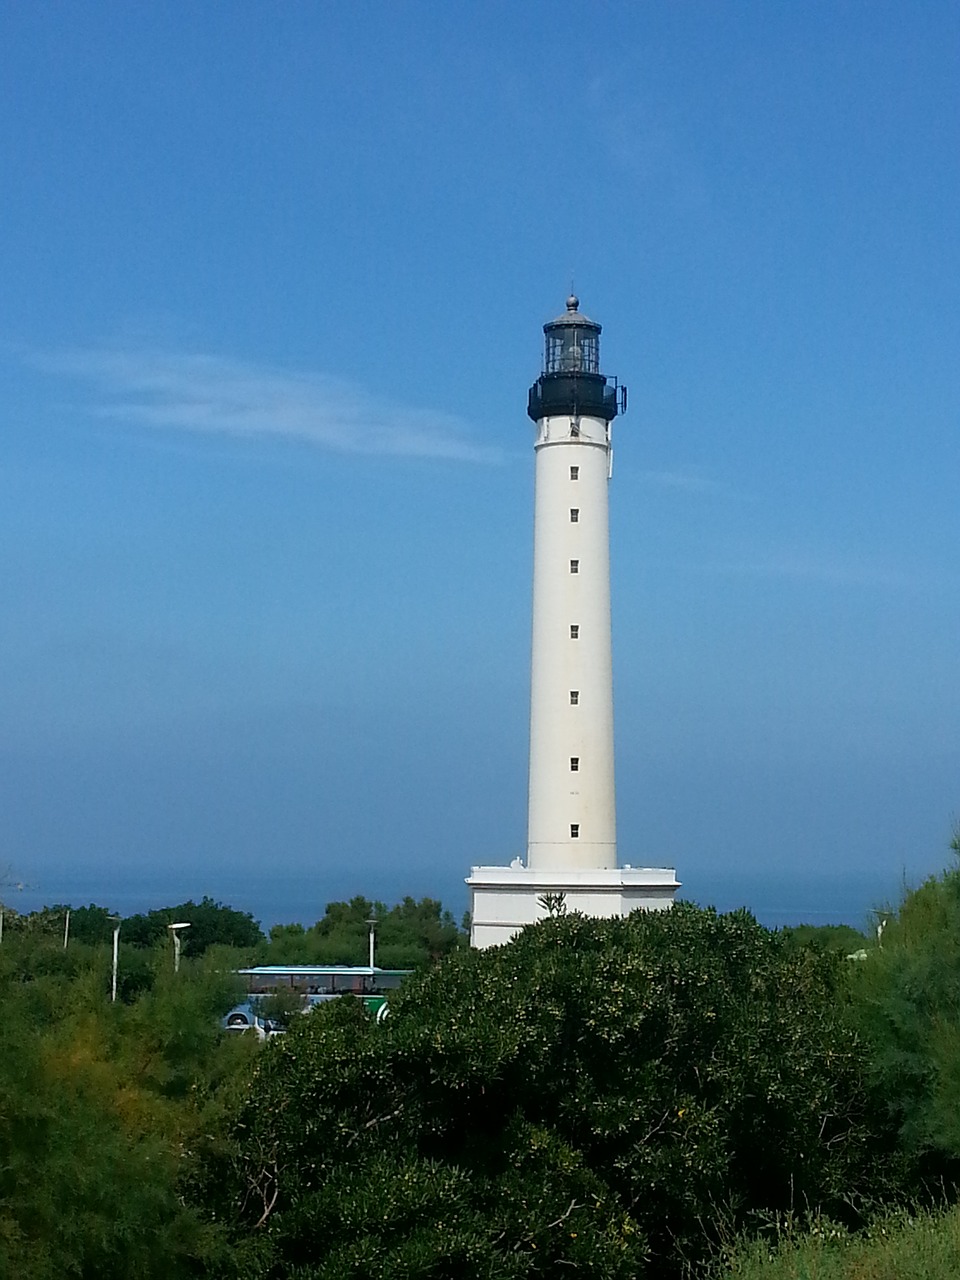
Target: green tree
[100,1106]
[833,939]
[595,1094]
[410,934]
[211,924]
[907,1007]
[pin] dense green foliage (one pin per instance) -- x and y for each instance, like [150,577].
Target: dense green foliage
[408,935]
[604,1098]
[98,1103]
[833,939]
[594,1094]
[904,1003]
[907,1002]
[104,1108]
[211,924]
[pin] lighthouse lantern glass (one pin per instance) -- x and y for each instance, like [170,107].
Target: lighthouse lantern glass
[572,349]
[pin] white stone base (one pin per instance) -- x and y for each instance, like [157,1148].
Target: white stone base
[504,899]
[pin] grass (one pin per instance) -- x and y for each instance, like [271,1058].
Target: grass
[924,1246]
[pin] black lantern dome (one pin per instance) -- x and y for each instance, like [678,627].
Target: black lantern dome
[571,382]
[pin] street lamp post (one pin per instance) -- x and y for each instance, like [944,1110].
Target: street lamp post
[116,953]
[175,929]
[372,922]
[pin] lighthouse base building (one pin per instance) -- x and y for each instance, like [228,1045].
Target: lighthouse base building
[571,861]
[504,899]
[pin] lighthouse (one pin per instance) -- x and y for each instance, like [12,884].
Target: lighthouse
[571,855]
[571,805]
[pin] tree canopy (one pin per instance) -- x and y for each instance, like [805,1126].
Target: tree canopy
[211,924]
[408,935]
[98,1104]
[613,1098]
[907,1007]
[596,1093]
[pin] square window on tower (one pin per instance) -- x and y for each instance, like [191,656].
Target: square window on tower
[574,566]
[574,830]
[574,473]
[574,631]
[574,515]
[574,697]
[574,764]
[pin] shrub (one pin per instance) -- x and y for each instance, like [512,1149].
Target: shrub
[602,1092]
[907,1008]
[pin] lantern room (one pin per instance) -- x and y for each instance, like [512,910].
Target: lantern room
[571,382]
[572,342]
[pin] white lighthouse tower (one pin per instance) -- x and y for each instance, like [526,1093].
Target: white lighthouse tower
[572,830]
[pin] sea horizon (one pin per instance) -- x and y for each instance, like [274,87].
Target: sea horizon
[776,901]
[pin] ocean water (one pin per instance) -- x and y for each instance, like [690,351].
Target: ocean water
[779,901]
[776,900]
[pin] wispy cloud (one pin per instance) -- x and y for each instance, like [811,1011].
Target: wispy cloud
[211,395]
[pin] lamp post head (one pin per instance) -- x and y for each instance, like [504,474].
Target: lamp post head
[175,930]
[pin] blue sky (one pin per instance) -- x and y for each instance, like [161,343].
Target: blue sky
[274,277]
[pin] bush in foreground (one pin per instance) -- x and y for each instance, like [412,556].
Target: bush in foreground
[609,1094]
[99,1107]
[907,1009]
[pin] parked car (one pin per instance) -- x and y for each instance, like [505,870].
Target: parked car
[244,1017]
